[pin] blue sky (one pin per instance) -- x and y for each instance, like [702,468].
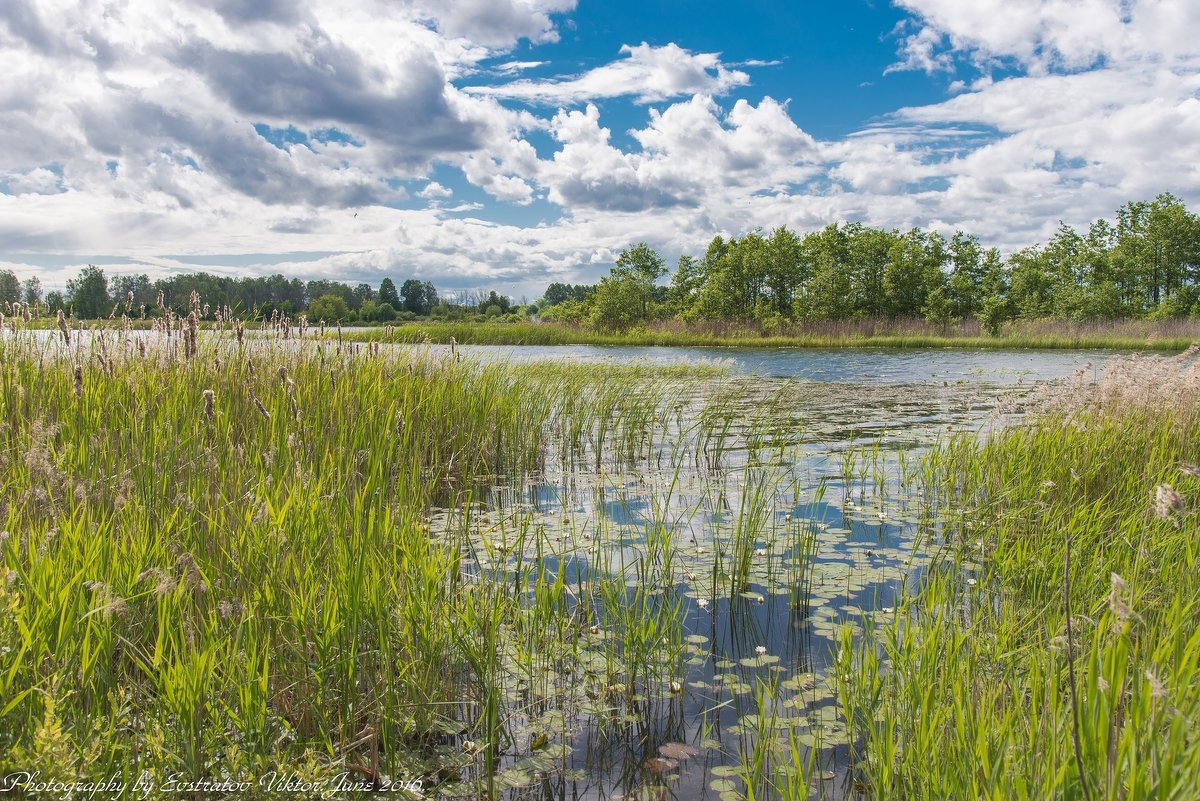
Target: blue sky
[509,143]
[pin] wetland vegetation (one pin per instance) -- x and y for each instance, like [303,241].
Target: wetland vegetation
[232,554]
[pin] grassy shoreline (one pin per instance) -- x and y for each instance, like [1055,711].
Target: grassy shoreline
[1044,335]
[1131,335]
[1056,655]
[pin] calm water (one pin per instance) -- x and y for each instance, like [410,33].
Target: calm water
[861,365]
[839,473]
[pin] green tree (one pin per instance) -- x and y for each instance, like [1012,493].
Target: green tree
[866,253]
[419,296]
[639,267]
[331,308]
[143,291]
[736,280]
[965,284]
[557,293]
[10,287]
[616,305]
[385,312]
[501,302]
[362,293]
[827,293]
[914,271]
[685,286]
[784,269]
[31,289]
[388,293]
[939,307]
[88,293]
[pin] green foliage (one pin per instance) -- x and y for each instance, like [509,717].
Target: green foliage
[330,308]
[939,307]
[626,297]
[88,293]
[10,287]
[419,296]
[31,290]
[1052,652]
[993,313]
[388,294]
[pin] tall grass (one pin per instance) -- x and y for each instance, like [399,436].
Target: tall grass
[1173,335]
[1056,654]
[221,565]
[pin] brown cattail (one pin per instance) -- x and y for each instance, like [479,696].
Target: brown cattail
[209,397]
[190,334]
[62,326]
[79,380]
[129,300]
[259,405]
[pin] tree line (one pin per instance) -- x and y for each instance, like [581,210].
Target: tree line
[1145,264]
[92,294]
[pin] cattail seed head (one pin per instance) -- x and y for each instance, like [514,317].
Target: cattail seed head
[64,328]
[209,397]
[79,380]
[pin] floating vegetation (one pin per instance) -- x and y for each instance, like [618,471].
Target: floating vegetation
[229,554]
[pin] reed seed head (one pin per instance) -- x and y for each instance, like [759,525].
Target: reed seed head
[1157,688]
[1118,599]
[209,397]
[1166,501]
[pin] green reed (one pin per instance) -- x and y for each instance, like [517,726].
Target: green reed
[1053,653]
[221,565]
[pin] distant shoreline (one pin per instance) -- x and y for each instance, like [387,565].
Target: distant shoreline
[1023,335]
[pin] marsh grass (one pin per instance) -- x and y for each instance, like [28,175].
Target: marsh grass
[234,552]
[1173,335]
[980,688]
[217,558]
